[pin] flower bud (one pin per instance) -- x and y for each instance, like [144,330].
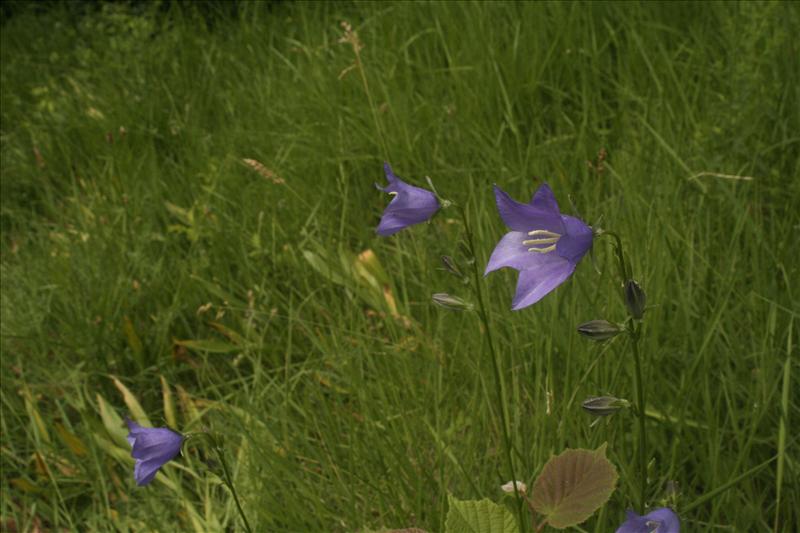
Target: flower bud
[599,330]
[451,266]
[454,303]
[635,299]
[604,405]
[508,488]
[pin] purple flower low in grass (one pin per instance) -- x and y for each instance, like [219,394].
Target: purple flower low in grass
[152,448]
[410,205]
[544,245]
[662,520]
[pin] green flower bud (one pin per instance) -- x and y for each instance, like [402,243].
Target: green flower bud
[451,266]
[604,405]
[635,299]
[599,330]
[454,303]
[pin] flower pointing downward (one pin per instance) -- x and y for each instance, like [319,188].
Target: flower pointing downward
[410,205]
[543,245]
[152,448]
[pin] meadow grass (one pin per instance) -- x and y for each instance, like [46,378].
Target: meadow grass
[146,267]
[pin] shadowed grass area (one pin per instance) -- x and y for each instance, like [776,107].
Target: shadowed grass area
[137,244]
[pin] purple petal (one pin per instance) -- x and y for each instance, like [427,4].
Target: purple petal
[661,520]
[669,522]
[577,240]
[510,252]
[544,199]
[411,205]
[145,471]
[535,283]
[156,443]
[527,217]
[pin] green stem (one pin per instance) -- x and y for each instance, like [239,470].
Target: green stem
[229,483]
[498,376]
[633,332]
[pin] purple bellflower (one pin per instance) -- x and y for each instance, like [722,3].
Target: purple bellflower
[152,448]
[544,245]
[661,520]
[410,205]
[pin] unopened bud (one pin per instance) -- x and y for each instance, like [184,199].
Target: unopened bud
[454,303]
[451,266]
[599,330]
[508,488]
[635,299]
[604,405]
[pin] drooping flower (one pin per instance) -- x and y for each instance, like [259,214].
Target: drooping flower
[662,520]
[152,448]
[410,205]
[543,245]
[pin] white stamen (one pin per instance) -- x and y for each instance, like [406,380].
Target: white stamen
[543,250]
[545,237]
[543,232]
[549,240]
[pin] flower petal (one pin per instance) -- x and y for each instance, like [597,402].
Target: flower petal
[577,240]
[544,199]
[156,443]
[668,519]
[535,283]
[145,471]
[510,252]
[526,217]
[411,205]
[662,520]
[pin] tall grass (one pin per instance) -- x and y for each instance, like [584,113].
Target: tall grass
[137,244]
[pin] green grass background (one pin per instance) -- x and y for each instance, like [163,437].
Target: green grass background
[339,416]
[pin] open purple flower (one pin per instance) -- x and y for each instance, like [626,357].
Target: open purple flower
[544,245]
[662,520]
[410,205]
[152,448]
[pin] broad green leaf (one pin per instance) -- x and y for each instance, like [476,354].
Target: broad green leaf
[478,516]
[573,485]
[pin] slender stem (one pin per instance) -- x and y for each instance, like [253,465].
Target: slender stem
[229,483]
[634,333]
[641,402]
[498,376]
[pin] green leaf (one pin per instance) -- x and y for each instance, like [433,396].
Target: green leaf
[478,516]
[207,345]
[573,485]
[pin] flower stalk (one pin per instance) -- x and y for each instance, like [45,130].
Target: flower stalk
[500,386]
[634,329]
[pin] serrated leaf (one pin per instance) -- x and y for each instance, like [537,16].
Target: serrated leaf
[573,485]
[478,516]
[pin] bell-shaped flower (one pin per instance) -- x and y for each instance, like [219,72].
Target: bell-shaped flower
[543,245]
[410,205]
[152,448]
[662,520]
